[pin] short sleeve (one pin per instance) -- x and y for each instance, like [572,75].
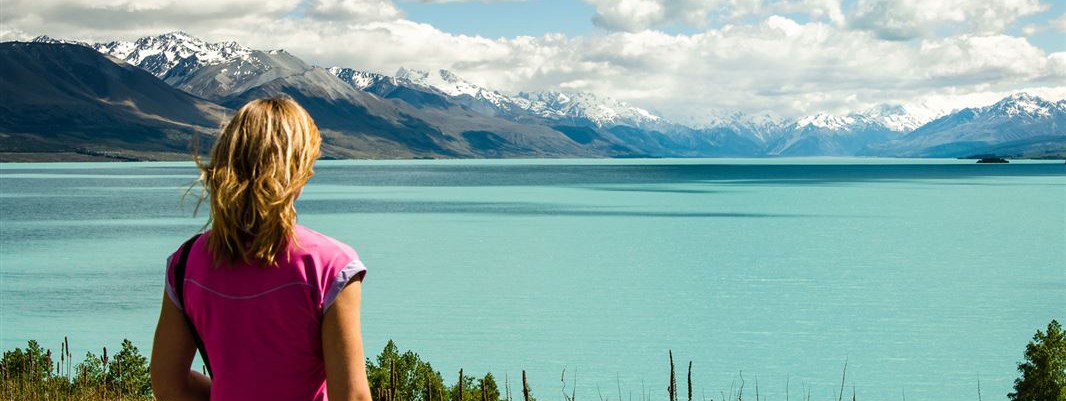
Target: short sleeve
[168,282]
[351,271]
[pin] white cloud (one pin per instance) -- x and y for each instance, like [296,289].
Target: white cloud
[127,19]
[909,19]
[468,1]
[775,64]
[354,10]
[638,15]
[1059,24]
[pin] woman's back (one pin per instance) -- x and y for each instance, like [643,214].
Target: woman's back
[275,304]
[262,326]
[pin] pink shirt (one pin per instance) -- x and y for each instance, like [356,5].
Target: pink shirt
[262,327]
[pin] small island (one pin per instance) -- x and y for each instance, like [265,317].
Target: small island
[992,160]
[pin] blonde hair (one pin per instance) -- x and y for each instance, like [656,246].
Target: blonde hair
[259,164]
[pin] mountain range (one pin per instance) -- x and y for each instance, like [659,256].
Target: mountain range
[146,99]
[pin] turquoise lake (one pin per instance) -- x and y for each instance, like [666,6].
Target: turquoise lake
[925,275]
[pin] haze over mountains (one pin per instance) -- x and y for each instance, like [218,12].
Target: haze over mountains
[145,100]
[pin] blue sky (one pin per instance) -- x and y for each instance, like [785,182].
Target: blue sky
[505,18]
[1049,40]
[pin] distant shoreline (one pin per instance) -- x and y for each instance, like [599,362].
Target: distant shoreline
[102,157]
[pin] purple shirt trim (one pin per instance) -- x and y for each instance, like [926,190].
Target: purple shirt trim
[353,270]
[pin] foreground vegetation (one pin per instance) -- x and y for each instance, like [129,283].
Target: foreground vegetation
[37,374]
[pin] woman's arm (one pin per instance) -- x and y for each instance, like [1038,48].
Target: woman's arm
[342,346]
[172,354]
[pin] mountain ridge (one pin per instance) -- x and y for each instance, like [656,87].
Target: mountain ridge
[468,116]
[65,98]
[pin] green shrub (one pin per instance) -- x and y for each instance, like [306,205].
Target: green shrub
[128,371]
[1044,370]
[405,375]
[32,365]
[91,372]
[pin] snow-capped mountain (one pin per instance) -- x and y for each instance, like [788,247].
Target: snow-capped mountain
[901,118]
[238,74]
[1017,124]
[891,117]
[826,122]
[449,84]
[49,39]
[1023,106]
[852,133]
[600,110]
[449,115]
[358,79]
[551,105]
[159,54]
[761,128]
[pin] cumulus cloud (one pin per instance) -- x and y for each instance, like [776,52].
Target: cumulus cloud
[354,10]
[638,15]
[909,19]
[126,19]
[774,64]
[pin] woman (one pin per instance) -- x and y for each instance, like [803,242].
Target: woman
[274,304]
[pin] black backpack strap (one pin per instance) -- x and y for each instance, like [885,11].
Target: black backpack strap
[179,288]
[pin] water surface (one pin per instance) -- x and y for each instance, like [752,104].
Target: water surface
[925,275]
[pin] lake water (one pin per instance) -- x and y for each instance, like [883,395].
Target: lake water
[925,275]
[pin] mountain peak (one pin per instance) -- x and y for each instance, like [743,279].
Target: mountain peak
[159,54]
[826,121]
[449,76]
[49,39]
[358,79]
[600,110]
[1022,104]
[178,34]
[1022,96]
[411,74]
[450,84]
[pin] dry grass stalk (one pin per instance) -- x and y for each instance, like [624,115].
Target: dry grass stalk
[842,377]
[671,390]
[689,380]
[525,387]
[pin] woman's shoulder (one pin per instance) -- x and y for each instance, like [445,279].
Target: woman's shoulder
[311,241]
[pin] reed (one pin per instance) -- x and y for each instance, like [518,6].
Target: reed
[689,380]
[671,390]
[562,378]
[842,377]
[525,387]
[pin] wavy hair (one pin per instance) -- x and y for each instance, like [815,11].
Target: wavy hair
[258,165]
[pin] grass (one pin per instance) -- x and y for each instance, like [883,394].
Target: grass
[34,373]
